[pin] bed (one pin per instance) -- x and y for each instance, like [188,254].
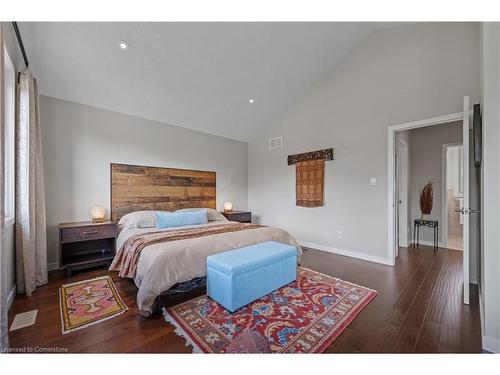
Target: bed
[162,261]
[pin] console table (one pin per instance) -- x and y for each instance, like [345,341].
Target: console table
[433,224]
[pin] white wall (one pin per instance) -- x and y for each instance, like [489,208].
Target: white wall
[10,269]
[426,159]
[395,76]
[490,205]
[79,143]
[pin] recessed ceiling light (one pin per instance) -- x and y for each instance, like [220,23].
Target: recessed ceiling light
[123,45]
[251,101]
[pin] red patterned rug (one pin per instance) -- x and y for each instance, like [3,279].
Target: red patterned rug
[304,316]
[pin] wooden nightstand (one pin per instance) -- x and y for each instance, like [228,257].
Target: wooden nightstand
[241,216]
[86,244]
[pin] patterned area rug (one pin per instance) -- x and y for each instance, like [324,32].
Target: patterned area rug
[304,316]
[89,302]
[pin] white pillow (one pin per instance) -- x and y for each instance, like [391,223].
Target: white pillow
[212,215]
[139,219]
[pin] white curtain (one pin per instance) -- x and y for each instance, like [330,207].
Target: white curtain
[4,343]
[31,241]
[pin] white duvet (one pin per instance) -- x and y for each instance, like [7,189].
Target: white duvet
[165,264]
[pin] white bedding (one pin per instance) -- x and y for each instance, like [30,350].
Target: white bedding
[165,264]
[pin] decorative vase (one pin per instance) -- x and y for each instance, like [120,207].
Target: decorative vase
[426,201]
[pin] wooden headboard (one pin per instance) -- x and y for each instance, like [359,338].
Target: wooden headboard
[136,187]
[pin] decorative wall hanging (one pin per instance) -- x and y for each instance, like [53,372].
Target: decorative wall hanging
[326,154]
[309,170]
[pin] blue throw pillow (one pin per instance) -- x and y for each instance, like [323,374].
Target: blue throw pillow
[179,219]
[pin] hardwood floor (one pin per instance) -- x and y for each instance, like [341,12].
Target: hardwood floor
[418,309]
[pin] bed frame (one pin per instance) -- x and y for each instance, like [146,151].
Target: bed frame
[137,187]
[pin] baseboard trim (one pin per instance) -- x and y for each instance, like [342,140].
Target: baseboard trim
[430,243]
[10,297]
[52,266]
[488,343]
[12,293]
[491,344]
[348,253]
[481,316]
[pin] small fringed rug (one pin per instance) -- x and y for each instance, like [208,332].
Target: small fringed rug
[89,302]
[304,316]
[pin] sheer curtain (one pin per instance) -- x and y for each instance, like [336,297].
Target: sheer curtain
[4,343]
[31,241]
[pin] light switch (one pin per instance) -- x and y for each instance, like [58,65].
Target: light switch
[373,181]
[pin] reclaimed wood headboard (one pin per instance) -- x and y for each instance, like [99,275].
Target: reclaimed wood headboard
[136,187]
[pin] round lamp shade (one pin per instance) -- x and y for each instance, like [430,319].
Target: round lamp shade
[228,207]
[97,213]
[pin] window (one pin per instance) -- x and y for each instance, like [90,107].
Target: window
[10,118]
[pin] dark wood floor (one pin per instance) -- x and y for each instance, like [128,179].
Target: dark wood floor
[418,309]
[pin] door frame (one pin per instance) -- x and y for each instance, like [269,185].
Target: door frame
[391,173]
[444,195]
[406,180]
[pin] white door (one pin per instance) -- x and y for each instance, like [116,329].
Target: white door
[402,192]
[466,208]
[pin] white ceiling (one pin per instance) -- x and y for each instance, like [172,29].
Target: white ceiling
[194,75]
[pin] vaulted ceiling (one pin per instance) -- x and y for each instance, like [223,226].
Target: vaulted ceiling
[199,76]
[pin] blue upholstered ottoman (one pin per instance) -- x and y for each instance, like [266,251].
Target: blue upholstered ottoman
[238,277]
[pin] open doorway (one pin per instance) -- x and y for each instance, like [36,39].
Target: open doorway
[421,176]
[453,197]
[419,163]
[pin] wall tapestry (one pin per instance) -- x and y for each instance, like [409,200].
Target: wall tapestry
[309,178]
